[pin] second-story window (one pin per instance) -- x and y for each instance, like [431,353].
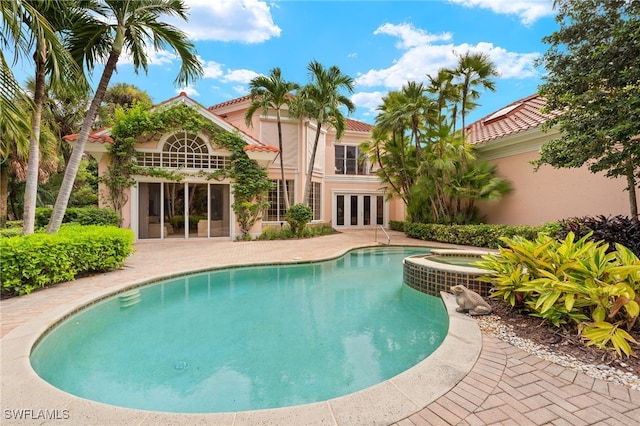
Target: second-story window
[347,161]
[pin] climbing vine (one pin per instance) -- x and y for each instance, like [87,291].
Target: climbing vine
[139,124]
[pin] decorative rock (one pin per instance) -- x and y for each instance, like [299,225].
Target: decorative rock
[491,324]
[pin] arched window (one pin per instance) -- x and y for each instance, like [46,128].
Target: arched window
[184,150]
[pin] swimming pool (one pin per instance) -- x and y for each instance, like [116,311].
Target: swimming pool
[247,338]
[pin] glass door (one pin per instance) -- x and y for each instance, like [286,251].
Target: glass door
[183,210]
[358,210]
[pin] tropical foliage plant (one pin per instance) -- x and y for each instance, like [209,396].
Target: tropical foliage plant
[571,280]
[417,152]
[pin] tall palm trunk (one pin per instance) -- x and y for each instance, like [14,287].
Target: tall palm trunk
[284,182]
[78,150]
[4,192]
[33,165]
[312,161]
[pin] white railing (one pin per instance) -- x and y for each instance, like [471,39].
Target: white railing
[385,233]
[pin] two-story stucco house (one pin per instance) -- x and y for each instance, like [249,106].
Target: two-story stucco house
[344,193]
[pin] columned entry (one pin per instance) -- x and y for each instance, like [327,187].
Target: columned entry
[358,210]
[183,210]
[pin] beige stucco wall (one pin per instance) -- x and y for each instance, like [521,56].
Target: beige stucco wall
[552,194]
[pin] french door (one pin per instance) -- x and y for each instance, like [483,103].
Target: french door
[358,210]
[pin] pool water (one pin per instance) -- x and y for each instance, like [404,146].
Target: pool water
[455,260]
[247,338]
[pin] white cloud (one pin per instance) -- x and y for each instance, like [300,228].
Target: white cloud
[528,11]
[154,57]
[240,89]
[421,59]
[211,69]
[246,21]
[189,90]
[239,76]
[410,36]
[368,100]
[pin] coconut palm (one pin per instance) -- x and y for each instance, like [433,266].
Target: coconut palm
[38,22]
[113,27]
[274,93]
[321,100]
[474,71]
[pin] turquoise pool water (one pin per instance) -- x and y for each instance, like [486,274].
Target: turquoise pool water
[247,338]
[462,260]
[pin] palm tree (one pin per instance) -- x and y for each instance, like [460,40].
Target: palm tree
[446,94]
[35,23]
[14,160]
[474,70]
[272,92]
[120,25]
[321,100]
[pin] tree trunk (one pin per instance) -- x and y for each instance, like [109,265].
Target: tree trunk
[631,187]
[4,192]
[33,164]
[78,150]
[307,186]
[284,182]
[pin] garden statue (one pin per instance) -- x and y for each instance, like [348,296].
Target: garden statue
[470,301]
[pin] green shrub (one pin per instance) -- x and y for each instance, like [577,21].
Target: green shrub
[396,225]
[472,235]
[79,215]
[10,232]
[570,280]
[285,233]
[38,260]
[298,216]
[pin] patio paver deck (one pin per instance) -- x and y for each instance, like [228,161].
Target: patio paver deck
[504,386]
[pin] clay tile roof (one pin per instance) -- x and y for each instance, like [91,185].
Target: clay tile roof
[518,116]
[358,126]
[93,137]
[229,102]
[260,148]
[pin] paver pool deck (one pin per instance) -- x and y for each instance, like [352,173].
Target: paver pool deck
[472,379]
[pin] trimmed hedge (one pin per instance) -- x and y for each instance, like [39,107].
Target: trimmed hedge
[474,235]
[79,215]
[38,260]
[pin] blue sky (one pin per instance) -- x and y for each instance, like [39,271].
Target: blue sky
[381,44]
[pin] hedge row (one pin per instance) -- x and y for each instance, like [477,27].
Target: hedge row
[473,235]
[38,260]
[79,215]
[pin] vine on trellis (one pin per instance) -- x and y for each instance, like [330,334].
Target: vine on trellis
[138,123]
